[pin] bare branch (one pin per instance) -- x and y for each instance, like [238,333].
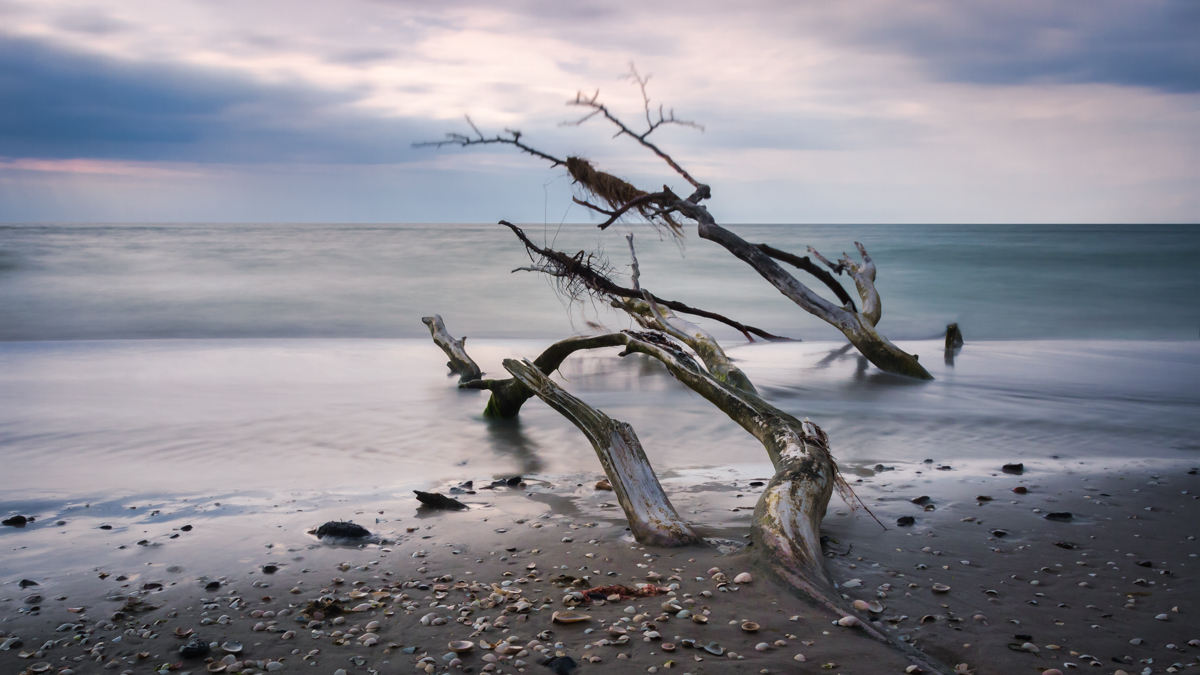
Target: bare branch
[513,138]
[808,266]
[836,267]
[669,118]
[636,274]
[864,278]
[577,269]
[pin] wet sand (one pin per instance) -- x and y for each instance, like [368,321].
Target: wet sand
[1113,588]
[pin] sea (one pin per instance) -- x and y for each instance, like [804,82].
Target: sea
[157,364]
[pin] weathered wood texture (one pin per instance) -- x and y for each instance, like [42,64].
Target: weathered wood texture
[460,363]
[857,326]
[652,518]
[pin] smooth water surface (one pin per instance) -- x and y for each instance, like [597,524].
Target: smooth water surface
[72,282]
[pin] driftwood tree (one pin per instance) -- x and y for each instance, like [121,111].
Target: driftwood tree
[616,198]
[787,518]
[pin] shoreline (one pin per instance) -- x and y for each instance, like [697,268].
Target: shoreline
[1123,515]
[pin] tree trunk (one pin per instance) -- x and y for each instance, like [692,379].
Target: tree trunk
[652,518]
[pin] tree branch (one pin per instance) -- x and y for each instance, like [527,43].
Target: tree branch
[514,139]
[575,267]
[460,363]
[808,266]
[667,118]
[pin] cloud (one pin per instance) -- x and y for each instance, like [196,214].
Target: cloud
[1153,44]
[71,105]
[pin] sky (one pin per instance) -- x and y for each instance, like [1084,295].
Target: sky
[873,111]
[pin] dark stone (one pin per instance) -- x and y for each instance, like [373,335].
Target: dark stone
[1059,515]
[562,665]
[26,583]
[1145,563]
[1024,636]
[905,521]
[1021,489]
[1067,545]
[923,499]
[106,527]
[15,521]
[212,585]
[1017,467]
[756,483]
[270,569]
[194,648]
[186,528]
[341,528]
[999,533]
[436,500]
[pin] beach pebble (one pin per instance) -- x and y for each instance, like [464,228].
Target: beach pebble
[762,646]
[743,578]
[847,621]
[799,657]
[1163,617]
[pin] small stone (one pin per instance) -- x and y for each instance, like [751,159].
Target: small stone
[341,528]
[1163,617]
[905,521]
[799,657]
[762,646]
[743,578]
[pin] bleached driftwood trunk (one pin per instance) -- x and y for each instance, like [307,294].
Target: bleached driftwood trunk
[460,363]
[857,325]
[652,518]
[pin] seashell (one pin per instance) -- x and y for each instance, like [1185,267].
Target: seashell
[940,588]
[743,578]
[762,646]
[847,621]
[216,667]
[688,642]
[750,627]
[569,617]
[699,618]
[714,648]
[667,646]
[875,607]
[232,647]
[860,605]
[182,632]
[713,570]
[719,577]
[41,667]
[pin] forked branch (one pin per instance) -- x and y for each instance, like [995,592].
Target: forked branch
[513,138]
[577,269]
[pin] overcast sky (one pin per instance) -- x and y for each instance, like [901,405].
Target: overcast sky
[813,111]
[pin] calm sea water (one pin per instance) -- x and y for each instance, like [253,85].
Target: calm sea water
[250,356]
[228,374]
[80,282]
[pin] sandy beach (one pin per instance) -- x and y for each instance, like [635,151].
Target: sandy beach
[1110,589]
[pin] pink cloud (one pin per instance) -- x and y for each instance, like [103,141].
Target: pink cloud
[97,166]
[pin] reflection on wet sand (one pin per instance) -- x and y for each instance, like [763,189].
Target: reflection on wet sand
[508,439]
